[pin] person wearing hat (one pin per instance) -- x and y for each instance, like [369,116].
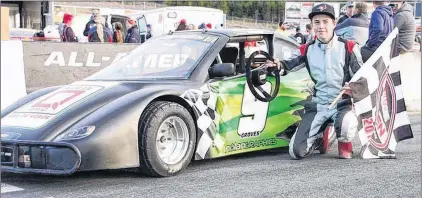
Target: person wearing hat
[331,62]
[349,12]
[133,35]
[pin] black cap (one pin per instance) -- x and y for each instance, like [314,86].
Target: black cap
[323,8]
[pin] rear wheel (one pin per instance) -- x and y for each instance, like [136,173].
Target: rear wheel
[167,138]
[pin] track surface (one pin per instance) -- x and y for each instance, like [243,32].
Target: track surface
[261,174]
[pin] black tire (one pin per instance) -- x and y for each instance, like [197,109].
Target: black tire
[154,114]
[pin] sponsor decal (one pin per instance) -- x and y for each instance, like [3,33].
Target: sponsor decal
[57,58]
[379,131]
[153,61]
[45,108]
[236,146]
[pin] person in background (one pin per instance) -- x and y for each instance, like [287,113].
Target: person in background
[91,23]
[133,35]
[282,29]
[311,35]
[191,27]
[202,26]
[149,31]
[99,33]
[182,25]
[349,12]
[208,26]
[380,26]
[118,33]
[355,28]
[299,37]
[404,21]
[67,34]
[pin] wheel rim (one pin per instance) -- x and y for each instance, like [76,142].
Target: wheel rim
[172,140]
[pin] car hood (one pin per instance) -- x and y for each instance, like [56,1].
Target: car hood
[60,109]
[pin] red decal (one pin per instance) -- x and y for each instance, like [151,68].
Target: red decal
[380,125]
[368,125]
[55,104]
[350,46]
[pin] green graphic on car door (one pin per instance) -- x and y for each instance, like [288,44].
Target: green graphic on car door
[231,121]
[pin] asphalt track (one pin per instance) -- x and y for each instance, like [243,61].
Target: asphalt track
[261,174]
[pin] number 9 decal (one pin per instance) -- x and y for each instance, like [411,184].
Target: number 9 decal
[254,113]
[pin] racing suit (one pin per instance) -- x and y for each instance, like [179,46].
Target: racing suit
[330,66]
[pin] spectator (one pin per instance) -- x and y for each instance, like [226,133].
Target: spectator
[380,27]
[299,37]
[349,12]
[67,34]
[182,25]
[149,31]
[91,23]
[404,21]
[133,35]
[191,27]
[99,33]
[208,26]
[118,33]
[282,29]
[356,27]
[202,26]
[310,32]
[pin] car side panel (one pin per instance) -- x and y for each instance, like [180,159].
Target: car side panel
[243,124]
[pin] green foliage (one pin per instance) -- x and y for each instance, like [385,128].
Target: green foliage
[260,10]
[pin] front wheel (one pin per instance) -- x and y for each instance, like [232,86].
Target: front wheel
[167,138]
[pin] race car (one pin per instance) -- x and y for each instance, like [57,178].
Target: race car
[183,96]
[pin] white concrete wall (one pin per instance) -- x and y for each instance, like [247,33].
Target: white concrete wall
[411,80]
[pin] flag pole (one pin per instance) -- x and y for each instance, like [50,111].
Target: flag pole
[368,63]
[337,99]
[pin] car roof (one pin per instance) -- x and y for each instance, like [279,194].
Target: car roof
[234,32]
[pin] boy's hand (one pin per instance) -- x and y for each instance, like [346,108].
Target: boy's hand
[275,63]
[348,90]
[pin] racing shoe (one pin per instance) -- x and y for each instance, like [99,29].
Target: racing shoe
[327,140]
[345,150]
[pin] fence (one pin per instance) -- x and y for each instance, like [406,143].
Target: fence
[237,22]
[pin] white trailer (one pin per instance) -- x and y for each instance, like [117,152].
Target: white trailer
[167,19]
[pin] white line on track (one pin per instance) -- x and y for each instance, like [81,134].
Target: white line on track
[5,188]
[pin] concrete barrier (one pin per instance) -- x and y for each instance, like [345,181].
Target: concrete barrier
[12,73]
[50,64]
[410,70]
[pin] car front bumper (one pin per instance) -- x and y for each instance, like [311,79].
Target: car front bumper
[51,158]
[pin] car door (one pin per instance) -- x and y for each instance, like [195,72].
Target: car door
[142,25]
[246,124]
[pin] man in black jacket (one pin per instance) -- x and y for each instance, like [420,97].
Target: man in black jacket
[91,23]
[299,37]
[133,35]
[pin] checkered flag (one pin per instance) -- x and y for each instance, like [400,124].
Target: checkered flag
[203,102]
[379,103]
